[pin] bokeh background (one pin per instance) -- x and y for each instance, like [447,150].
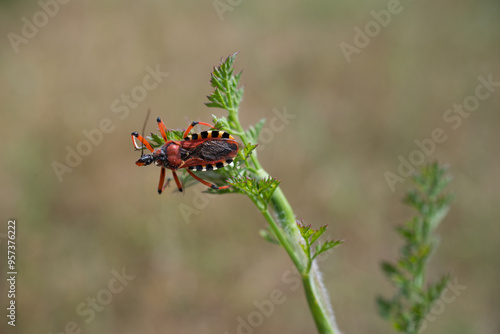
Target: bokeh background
[352,120]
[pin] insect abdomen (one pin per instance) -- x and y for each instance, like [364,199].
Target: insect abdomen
[210,153]
[209,134]
[208,167]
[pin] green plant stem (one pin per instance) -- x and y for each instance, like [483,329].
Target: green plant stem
[289,236]
[281,218]
[322,317]
[284,241]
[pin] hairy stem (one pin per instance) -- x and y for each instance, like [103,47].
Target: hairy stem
[276,209]
[289,236]
[315,294]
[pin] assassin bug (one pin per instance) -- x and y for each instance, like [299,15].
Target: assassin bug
[204,151]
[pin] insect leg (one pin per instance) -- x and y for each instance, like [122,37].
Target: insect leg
[162,179]
[208,184]
[193,125]
[177,181]
[162,128]
[142,140]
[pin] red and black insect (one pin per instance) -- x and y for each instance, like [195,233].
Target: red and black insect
[204,151]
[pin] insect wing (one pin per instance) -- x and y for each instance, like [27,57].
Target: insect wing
[208,154]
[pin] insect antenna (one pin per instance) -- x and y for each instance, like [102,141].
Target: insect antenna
[143,129]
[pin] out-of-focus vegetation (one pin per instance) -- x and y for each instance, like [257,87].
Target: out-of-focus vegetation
[199,263]
[417,300]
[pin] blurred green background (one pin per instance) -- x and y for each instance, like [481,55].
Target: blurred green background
[352,120]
